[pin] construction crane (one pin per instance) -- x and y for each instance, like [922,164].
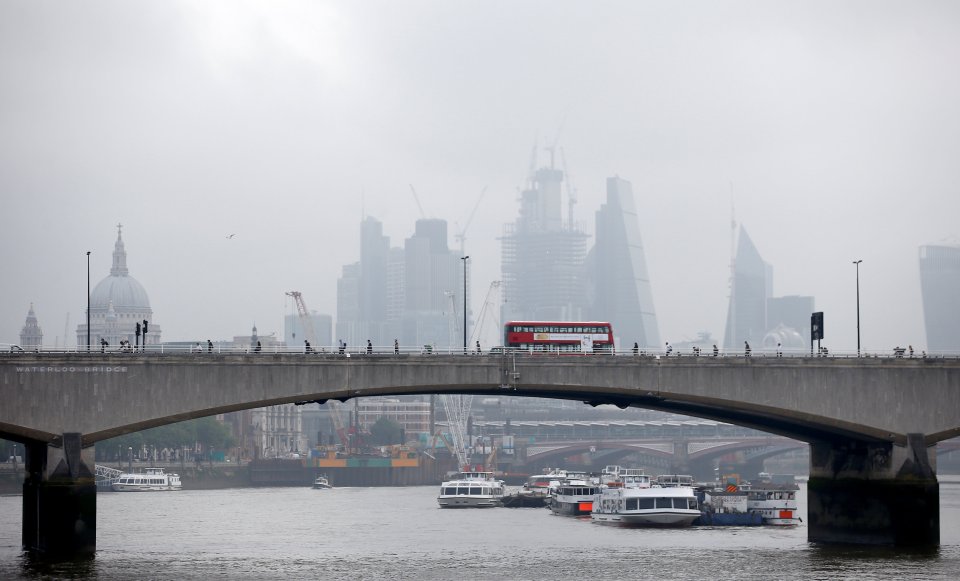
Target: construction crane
[332,404]
[304,315]
[417,200]
[489,312]
[457,408]
[462,235]
[453,321]
[571,191]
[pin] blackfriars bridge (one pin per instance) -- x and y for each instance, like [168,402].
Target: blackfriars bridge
[871,423]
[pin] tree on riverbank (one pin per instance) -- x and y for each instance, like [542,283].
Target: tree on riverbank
[386,432]
[207,432]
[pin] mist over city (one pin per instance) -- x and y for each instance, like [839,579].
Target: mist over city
[635,289]
[242,145]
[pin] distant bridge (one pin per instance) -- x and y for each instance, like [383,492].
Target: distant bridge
[870,421]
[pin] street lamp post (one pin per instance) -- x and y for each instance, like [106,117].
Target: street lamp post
[88,303]
[464,259]
[857,264]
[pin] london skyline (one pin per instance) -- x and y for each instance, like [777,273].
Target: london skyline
[832,130]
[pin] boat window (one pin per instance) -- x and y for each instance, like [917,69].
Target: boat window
[664,503]
[645,503]
[476,490]
[632,503]
[450,490]
[463,491]
[692,503]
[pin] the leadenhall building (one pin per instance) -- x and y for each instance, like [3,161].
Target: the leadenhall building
[117,304]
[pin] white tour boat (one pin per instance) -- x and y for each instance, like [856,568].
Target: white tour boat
[539,484]
[633,501]
[321,482]
[573,495]
[471,490]
[776,503]
[150,480]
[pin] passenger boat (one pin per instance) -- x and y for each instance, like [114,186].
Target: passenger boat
[776,503]
[539,484]
[726,508]
[633,501]
[471,490]
[535,492]
[150,480]
[573,495]
[671,480]
[321,482]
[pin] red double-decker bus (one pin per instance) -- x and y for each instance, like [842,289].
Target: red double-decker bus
[566,337]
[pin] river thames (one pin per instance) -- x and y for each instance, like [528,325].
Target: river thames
[400,533]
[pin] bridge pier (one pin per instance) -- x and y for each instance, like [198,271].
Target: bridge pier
[60,498]
[876,494]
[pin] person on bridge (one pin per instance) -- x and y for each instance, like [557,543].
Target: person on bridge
[257,348]
[343,346]
[396,347]
[746,349]
[306,346]
[715,350]
[669,349]
[478,348]
[636,349]
[369,347]
[779,351]
[209,346]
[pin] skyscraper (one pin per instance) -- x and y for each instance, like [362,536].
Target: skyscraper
[543,259]
[362,290]
[432,281]
[412,294]
[940,288]
[619,284]
[753,315]
[750,289]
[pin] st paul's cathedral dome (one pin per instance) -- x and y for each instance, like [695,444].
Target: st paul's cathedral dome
[117,304]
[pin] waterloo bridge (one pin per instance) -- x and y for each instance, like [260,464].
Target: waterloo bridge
[872,423]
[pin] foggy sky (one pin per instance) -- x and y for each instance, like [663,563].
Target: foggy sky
[831,128]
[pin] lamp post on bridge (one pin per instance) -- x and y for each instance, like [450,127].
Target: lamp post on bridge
[88,304]
[857,264]
[464,259]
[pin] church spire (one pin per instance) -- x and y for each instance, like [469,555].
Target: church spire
[119,256]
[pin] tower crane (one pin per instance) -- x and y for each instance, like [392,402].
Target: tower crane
[333,405]
[304,315]
[571,191]
[462,235]
[490,311]
[417,200]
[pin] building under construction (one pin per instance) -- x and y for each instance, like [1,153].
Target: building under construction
[543,256]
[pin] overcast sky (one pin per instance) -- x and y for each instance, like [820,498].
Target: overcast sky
[831,127]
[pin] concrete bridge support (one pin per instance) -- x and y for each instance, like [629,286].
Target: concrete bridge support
[882,494]
[60,498]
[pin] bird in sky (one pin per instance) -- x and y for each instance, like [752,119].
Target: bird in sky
[230,236]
